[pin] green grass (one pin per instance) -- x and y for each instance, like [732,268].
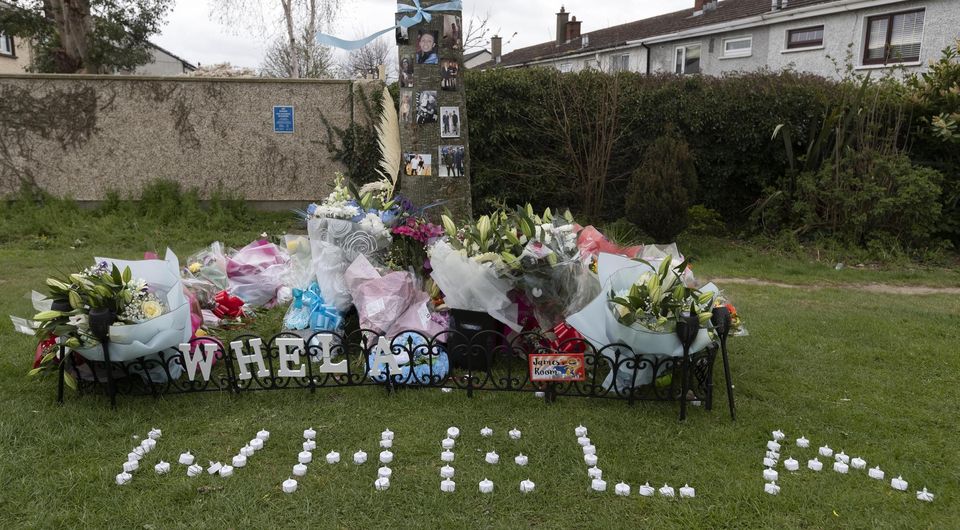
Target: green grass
[872,375]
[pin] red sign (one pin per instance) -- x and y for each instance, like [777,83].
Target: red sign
[557,367]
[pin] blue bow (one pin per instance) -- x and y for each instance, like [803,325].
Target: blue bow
[420,14]
[322,317]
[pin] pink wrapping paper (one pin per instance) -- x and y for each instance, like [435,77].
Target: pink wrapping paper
[389,304]
[592,242]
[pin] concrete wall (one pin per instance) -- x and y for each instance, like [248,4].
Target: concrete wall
[82,136]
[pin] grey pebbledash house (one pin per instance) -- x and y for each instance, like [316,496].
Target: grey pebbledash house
[714,37]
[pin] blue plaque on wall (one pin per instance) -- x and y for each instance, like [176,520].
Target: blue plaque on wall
[283,119]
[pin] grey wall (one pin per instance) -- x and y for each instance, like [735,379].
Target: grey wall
[82,136]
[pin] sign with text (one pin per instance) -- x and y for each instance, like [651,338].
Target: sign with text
[557,367]
[283,119]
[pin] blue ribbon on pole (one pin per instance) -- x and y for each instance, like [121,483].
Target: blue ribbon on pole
[420,14]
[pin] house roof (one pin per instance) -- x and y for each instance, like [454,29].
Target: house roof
[726,11]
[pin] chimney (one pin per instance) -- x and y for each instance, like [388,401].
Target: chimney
[697,6]
[573,29]
[777,5]
[496,48]
[562,18]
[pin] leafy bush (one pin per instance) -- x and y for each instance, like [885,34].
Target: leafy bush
[661,188]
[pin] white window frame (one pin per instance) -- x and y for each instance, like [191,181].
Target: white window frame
[683,60]
[620,62]
[565,68]
[6,45]
[737,53]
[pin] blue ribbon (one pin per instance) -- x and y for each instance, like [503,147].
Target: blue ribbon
[419,15]
[322,317]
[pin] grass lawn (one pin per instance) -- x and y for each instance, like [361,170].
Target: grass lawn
[874,376]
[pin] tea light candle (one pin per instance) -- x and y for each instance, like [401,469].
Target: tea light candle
[486,486]
[598,484]
[769,462]
[590,460]
[583,441]
[139,451]
[772,455]
[226,471]
[386,435]
[155,433]
[448,486]
[876,473]
[686,492]
[899,484]
[842,457]
[446,390]
[333,457]
[131,466]
[770,475]
[778,435]
[771,488]
[247,451]
[622,489]
[595,472]
[527,486]
[194,470]
[486,432]
[493,457]
[589,449]
[453,432]
[384,472]
[925,495]
[666,491]
[446,472]
[162,468]
[263,435]
[186,459]
[447,443]
[815,464]
[133,457]
[256,444]
[514,434]
[580,431]
[386,444]
[359,457]
[148,445]
[521,459]
[239,461]
[289,485]
[386,457]
[214,468]
[299,470]
[773,446]
[124,478]
[826,451]
[310,434]
[803,442]
[305,457]
[382,484]
[791,465]
[858,463]
[447,456]
[840,467]
[646,490]
[309,445]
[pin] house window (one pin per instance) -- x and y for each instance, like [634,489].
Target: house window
[565,67]
[893,38]
[6,45]
[688,59]
[738,47]
[620,63]
[805,37]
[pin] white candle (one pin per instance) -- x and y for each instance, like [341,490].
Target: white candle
[382,484]
[773,446]
[876,473]
[486,432]
[842,457]
[590,460]
[289,485]
[384,472]
[310,434]
[598,484]
[666,491]
[840,467]
[194,470]
[514,434]
[446,390]
[583,441]
[778,435]
[263,435]
[214,468]
[359,457]
[226,471]
[925,495]
[770,475]
[239,461]
[386,444]
[527,486]
[310,445]
[386,457]
[646,490]
[486,486]
[131,466]
[155,433]
[133,457]
[899,484]
[299,470]
[772,455]
[453,432]
[305,457]
[148,445]
[386,435]
[447,456]
[826,451]
[162,468]
[803,442]
[540,395]
[446,472]
[622,489]
[447,443]
[333,457]
[589,449]
[124,478]
[247,451]
[256,444]
[815,464]
[580,431]
[186,458]
[448,486]
[771,488]
[858,463]
[769,462]
[521,459]
[791,465]
[595,472]
[493,457]
[686,492]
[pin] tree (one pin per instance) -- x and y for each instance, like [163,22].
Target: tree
[478,32]
[313,62]
[92,36]
[367,60]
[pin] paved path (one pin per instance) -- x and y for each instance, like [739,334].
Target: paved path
[880,288]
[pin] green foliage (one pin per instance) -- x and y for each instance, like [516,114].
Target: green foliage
[703,220]
[662,188]
[356,145]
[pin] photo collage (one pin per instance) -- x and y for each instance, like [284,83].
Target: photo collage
[430,95]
